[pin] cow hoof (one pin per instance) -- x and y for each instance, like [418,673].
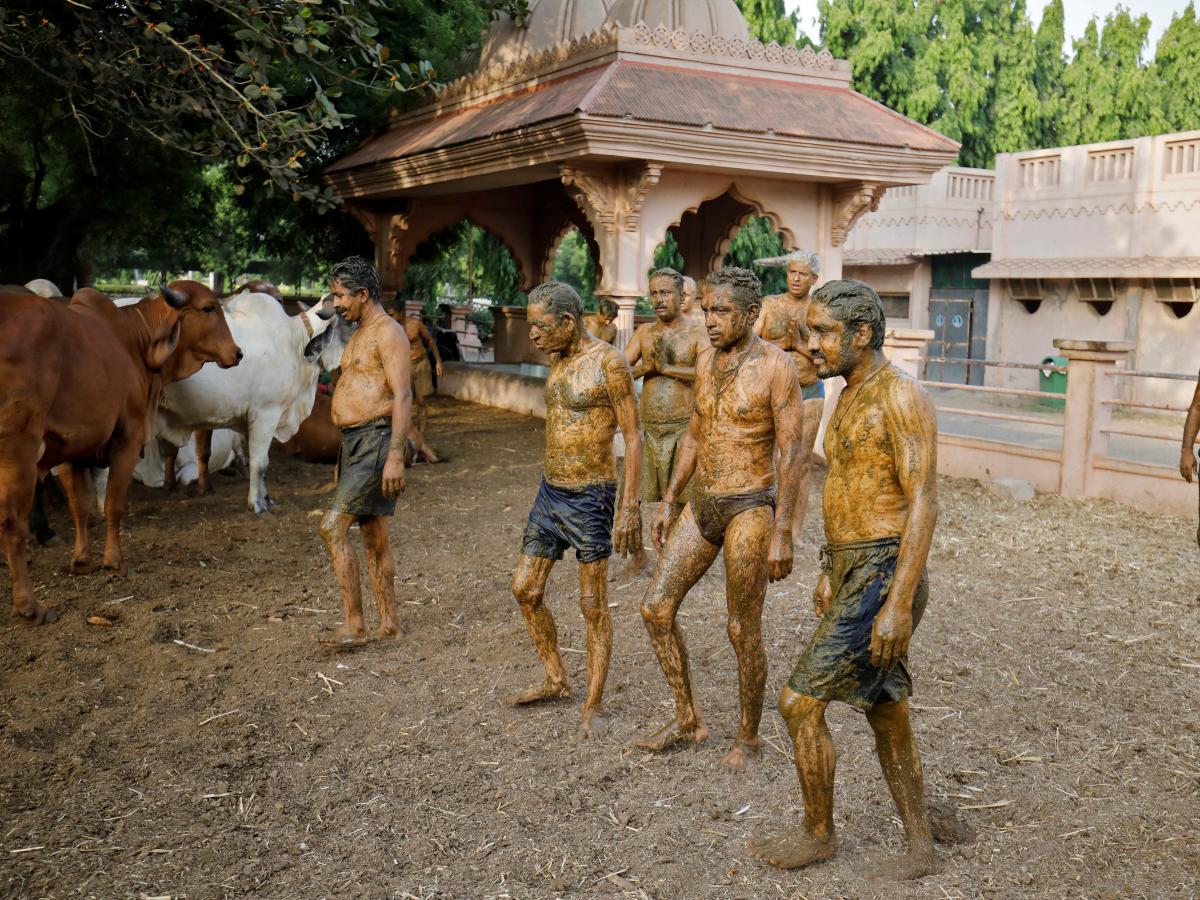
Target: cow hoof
[120,570]
[36,614]
[82,567]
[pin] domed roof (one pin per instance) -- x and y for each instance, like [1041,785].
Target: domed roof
[550,23]
[718,17]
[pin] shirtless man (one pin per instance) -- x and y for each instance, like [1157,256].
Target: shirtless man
[600,323]
[664,354]
[782,323]
[372,406]
[1187,453]
[747,402]
[691,302]
[880,509]
[589,394]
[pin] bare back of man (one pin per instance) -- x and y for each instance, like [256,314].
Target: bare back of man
[746,402]
[422,345]
[782,323]
[372,407]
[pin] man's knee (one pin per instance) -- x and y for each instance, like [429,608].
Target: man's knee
[657,617]
[594,608]
[797,709]
[527,592]
[333,527]
[743,631]
[888,718]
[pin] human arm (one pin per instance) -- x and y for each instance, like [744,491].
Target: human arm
[912,423]
[395,360]
[787,408]
[1191,427]
[428,341]
[685,467]
[635,355]
[627,529]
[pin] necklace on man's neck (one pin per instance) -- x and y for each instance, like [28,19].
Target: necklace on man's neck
[846,402]
[723,379]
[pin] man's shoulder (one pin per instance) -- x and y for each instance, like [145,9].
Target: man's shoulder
[903,392]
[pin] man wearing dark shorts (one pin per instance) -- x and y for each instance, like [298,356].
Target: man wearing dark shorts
[589,394]
[1187,453]
[372,405]
[880,509]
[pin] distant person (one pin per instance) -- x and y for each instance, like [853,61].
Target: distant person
[880,509]
[589,395]
[419,339]
[691,302]
[372,406]
[1187,453]
[600,323]
[782,323]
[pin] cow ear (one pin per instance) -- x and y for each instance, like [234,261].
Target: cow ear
[162,347]
[314,347]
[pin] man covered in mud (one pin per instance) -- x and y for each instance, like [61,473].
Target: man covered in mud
[589,394]
[782,322]
[419,339]
[663,353]
[1187,453]
[600,323]
[880,508]
[747,402]
[691,302]
[372,406]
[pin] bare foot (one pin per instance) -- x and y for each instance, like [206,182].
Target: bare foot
[345,638]
[673,733]
[910,866]
[593,725]
[547,690]
[791,848]
[739,754]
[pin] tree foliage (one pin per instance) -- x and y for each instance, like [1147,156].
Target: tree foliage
[574,265]
[769,20]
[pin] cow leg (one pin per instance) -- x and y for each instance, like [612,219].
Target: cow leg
[259,445]
[39,522]
[122,461]
[203,455]
[75,482]
[18,478]
[169,454]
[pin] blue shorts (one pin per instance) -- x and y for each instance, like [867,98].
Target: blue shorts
[814,391]
[581,518]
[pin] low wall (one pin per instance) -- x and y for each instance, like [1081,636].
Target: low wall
[524,394]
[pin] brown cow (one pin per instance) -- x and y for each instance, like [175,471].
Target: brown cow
[79,384]
[318,440]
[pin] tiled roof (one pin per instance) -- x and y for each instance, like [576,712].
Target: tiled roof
[658,93]
[1092,267]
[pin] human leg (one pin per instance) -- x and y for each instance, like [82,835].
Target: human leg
[529,588]
[686,557]
[813,410]
[901,763]
[335,532]
[381,567]
[593,602]
[747,540]
[815,759]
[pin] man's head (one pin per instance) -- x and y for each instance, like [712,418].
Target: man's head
[690,304]
[666,293]
[607,310]
[732,300]
[803,268]
[555,316]
[354,286]
[845,321]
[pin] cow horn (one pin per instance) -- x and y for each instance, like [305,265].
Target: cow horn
[176,299]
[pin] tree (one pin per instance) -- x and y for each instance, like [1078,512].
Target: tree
[1177,74]
[574,265]
[272,93]
[757,239]
[1049,68]
[769,20]
[1107,89]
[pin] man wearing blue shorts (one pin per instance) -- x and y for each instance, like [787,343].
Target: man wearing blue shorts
[589,394]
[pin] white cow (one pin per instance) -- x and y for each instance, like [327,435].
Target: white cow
[227,447]
[43,288]
[267,395]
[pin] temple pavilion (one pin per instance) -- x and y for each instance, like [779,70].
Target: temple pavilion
[626,119]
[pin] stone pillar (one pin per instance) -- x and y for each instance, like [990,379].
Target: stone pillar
[904,347]
[414,308]
[626,309]
[1087,387]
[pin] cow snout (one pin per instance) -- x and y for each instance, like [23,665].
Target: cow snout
[231,361]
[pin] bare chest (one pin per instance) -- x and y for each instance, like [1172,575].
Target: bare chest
[577,385]
[784,325]
[739,401]
[673,347]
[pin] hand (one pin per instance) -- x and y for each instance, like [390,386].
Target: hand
[393,475]
[627,532]
[822,594]
[663,522]
[779,557]
[890,634]
[1187,464]
[438,368]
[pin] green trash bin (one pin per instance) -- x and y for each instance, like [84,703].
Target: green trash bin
[1050,382]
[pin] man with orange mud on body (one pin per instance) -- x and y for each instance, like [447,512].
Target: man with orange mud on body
[747,403]
[663,353]
[600,323]
[589,394]
[372,406]
[782,323]
[692,312]
[1187,453]
[880,508]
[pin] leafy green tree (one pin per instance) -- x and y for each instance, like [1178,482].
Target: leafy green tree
[1049,68]
[769,20]
[574,265]
[1177,74]
[1106,87]
[756,239]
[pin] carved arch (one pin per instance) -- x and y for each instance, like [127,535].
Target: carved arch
[568,223]
[435,225]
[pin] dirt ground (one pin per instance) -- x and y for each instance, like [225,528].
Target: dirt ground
[1057,675]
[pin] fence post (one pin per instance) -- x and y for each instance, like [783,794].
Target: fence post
[1085,414]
